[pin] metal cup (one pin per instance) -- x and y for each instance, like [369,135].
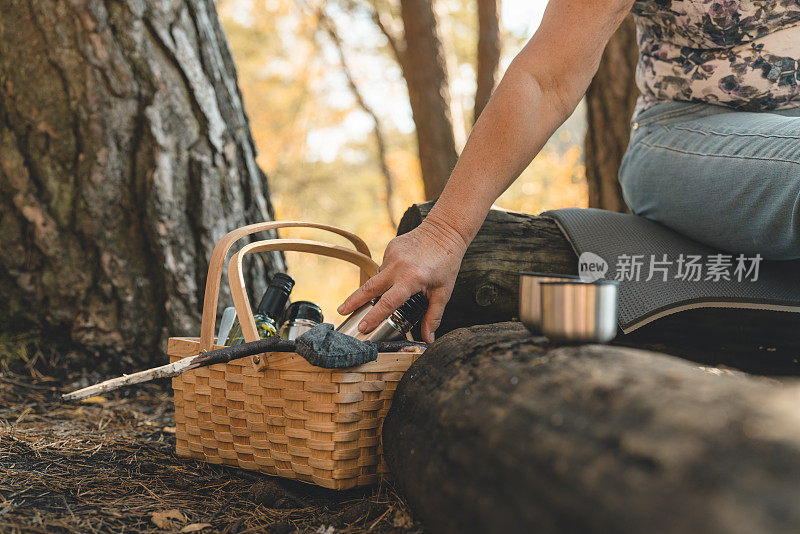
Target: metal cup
[530,299]
[579,312]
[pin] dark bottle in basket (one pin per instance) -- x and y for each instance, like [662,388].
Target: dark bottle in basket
[269,310]
[300,317]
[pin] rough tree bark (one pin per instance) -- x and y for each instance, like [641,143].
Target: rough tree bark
[609,105]
[495,431]
[421,58]
[489,48]
[125,153]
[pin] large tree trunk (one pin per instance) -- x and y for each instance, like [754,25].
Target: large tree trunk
[495,431]
[609,104]
[125,153]
[489,47]
[424,70]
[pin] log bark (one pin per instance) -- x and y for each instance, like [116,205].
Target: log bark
[125,153]
[487,291]
[610,100]
[495,431]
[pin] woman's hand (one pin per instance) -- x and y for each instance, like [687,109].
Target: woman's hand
[426,259]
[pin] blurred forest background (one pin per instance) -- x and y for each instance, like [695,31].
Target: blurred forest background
[128,134]
[316,78]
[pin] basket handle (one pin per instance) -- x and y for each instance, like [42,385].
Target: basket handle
[236,278]
[217,262]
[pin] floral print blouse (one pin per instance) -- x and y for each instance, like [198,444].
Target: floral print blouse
[742,54]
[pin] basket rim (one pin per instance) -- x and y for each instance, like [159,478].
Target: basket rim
[291,361]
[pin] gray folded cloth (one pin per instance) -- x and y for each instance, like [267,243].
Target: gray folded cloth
[325,347]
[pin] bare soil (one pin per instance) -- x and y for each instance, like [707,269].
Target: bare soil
[109,466]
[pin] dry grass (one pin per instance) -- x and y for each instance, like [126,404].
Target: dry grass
[109,466]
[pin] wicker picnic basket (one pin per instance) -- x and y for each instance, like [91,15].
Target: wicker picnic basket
[276,413]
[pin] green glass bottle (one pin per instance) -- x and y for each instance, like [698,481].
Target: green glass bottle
[269,310]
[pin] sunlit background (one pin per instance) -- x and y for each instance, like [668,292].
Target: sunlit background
[316,144]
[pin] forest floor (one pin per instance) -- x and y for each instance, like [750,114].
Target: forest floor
[109,466]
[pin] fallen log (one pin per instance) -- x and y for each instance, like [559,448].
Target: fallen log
[487,287]
[486,291]
[496,431]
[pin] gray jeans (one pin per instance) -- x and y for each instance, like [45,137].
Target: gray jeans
[728,179]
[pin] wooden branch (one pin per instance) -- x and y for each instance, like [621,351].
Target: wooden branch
[496,431]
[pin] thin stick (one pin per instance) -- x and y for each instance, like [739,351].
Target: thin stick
[223,355]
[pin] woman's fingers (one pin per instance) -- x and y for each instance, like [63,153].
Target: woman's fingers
[372,288]
[421,260]
[388,303]
[433,317]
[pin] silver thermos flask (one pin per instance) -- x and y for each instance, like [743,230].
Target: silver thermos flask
[394,327]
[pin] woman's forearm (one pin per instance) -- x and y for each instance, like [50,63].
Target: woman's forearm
[510,131]
[541,88]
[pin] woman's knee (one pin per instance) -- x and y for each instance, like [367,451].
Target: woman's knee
[781,239]
[767,223]
[708,187]
[646,181]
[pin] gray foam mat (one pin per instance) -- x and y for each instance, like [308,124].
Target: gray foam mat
[617,237]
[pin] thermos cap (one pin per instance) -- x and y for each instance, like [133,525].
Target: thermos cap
[413,309]
[283,281]
[302,309]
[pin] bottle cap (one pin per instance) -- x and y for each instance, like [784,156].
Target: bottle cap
[283,281]
[302,309]
[413,309]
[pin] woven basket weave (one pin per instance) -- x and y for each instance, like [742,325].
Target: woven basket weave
[277,413]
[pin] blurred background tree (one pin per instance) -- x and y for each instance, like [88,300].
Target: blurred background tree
[360,107]
[610,101]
